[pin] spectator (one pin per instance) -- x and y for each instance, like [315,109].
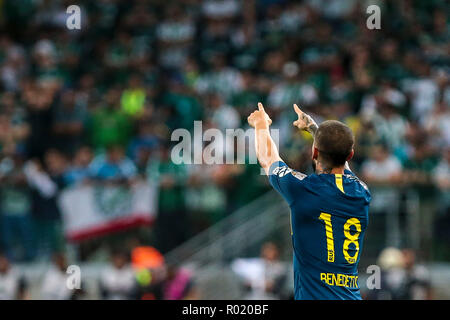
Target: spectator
[170,179]
[441,176]
[437,123]
[133,98]
[205,198]
[223,116]
[383,172]
[12,284]
[178,284]
[109,125]
[263,277]
[222,79]
[45,183]
[401,277]
[68,122]
[118,281]
[416,279]
[175,34]
[114,166]
[390,261]
[54,284]
[78,172]
[38,99]
[141,146]
[15,204]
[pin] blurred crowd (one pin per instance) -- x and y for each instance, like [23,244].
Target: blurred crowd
[402,277]
[265,277]
[140,274]
[98,105]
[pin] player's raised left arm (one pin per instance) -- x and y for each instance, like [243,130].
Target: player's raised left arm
[266,149]
[306,122]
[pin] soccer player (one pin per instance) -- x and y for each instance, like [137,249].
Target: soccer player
[329,209]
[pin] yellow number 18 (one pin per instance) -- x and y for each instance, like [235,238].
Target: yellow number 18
[350,238]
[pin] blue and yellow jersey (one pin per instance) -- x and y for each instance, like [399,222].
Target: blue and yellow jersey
[329,215]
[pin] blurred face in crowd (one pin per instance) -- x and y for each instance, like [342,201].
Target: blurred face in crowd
[4,264]
[119,260]
[135,81]
[143,155]
[44,59]
[60,261]
[270,252]
[389,50]
[39,95]
[409,258]
[115,154]
[447,155]
[83,157]
[112,98]
[173,12]
[379,153]
[215,101]
[341,110]
[421,151]
[7,102]
[218,62]
[68,99]
[387,110]
[273,62]
[248,80]
[440,22]
[87,81]
[55,162]
[171,271]
[4,124]
[145,129]
[164,152]
[323,33]
[290,71]
[361,56]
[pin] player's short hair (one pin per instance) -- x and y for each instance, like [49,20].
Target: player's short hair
[335,141]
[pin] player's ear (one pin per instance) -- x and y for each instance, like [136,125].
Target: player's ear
[350,156]
[315,153]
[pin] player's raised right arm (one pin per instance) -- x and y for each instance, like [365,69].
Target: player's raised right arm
[266,149]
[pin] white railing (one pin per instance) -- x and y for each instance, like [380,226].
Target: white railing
[233,235]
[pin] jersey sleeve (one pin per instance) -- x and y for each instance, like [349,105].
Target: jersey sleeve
[285,180]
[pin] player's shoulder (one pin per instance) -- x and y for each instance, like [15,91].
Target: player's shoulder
[352,177]
[281,169]
[360,187]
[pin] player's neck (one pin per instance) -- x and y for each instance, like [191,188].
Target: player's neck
[336,170]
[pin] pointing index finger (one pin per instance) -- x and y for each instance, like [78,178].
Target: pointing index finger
[260,106]
[297,110]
